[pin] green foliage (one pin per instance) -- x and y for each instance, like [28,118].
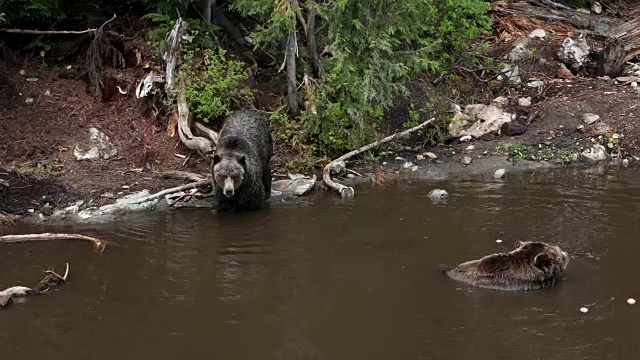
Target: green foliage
[290,132]
[30,11]
[214,83]
[2,18]
[379,46]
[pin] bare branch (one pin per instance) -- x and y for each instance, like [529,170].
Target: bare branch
[97,243]
[172,190]
[348,192]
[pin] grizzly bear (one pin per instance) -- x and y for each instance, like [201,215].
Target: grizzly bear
[531,266]
[241,169]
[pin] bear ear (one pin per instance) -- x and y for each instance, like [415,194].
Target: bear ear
[542,260]
[242,160]
[216,159]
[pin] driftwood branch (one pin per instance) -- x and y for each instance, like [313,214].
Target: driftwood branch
[182,175]
[348,192]
[203,146]
[172,190]
[50,281]
[48,32]
[97,243]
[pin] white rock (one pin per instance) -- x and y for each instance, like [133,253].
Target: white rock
[22,72]
[430,155]
[634,84]
[437,194]
[625,162]
[455,107]
[512,72]
[478,120]
[520,51]
[400,158]
[596,153]
[631,301]
[596,7]
[419,157]
[589,118]
[537,34]
[524,101]
[584,310]
[535,83]
[28,100]
[100,147]
[500,100]
[470,147]
[573,52]
[499,174]
[466,160]
[414,168]
[498,241]
[407,165]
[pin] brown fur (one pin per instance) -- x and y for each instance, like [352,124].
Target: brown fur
[531,266]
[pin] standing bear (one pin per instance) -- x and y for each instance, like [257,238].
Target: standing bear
[241,163]
[531,266]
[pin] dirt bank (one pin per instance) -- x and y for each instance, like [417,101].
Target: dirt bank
[45,112]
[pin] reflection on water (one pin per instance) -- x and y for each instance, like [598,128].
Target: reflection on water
[327,279]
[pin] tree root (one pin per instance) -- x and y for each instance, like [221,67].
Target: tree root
[50,281]
[348,192]
[97,243]
[99,50]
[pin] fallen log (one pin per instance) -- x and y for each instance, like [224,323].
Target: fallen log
[97,243]
[50,281]
[347,192]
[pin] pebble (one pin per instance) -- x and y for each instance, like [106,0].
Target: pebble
[631,301]
[466,160]
[589,118]
[126,186]
[499,174]
[537,33]
[584,310]
[499,241]
[524,101]
[465,138]
[430,155]
[400,158]
[419,157]
[22,72]
[407,165]
[470,147]
[414,168]
[625,162]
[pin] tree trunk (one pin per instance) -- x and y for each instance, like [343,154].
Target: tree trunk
[311,40]
[292,84]
[208,4]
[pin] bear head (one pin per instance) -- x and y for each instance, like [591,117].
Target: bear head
[229,169]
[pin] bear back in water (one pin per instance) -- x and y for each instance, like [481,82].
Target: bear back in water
[531,266]
[241,168]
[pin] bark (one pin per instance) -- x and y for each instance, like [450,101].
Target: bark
[292,84]
[311,41]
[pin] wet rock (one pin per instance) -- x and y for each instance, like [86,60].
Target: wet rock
[537,34]
[589,118]
[596,153]
[625,162]
[478,120]
[338,168]
[499,174]
[407,165]
[572,52]
[430,155]
[296,185]
[276,193]
[414,168]
[466,160]
[123,205]
[99,147]
[438,194]
[524,101]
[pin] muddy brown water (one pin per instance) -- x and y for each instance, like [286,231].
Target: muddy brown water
[323,279]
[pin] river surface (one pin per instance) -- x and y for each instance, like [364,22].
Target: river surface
[320,278]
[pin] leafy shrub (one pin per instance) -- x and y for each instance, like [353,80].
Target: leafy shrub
[214,83]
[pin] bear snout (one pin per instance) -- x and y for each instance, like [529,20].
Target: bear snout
[228,192]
